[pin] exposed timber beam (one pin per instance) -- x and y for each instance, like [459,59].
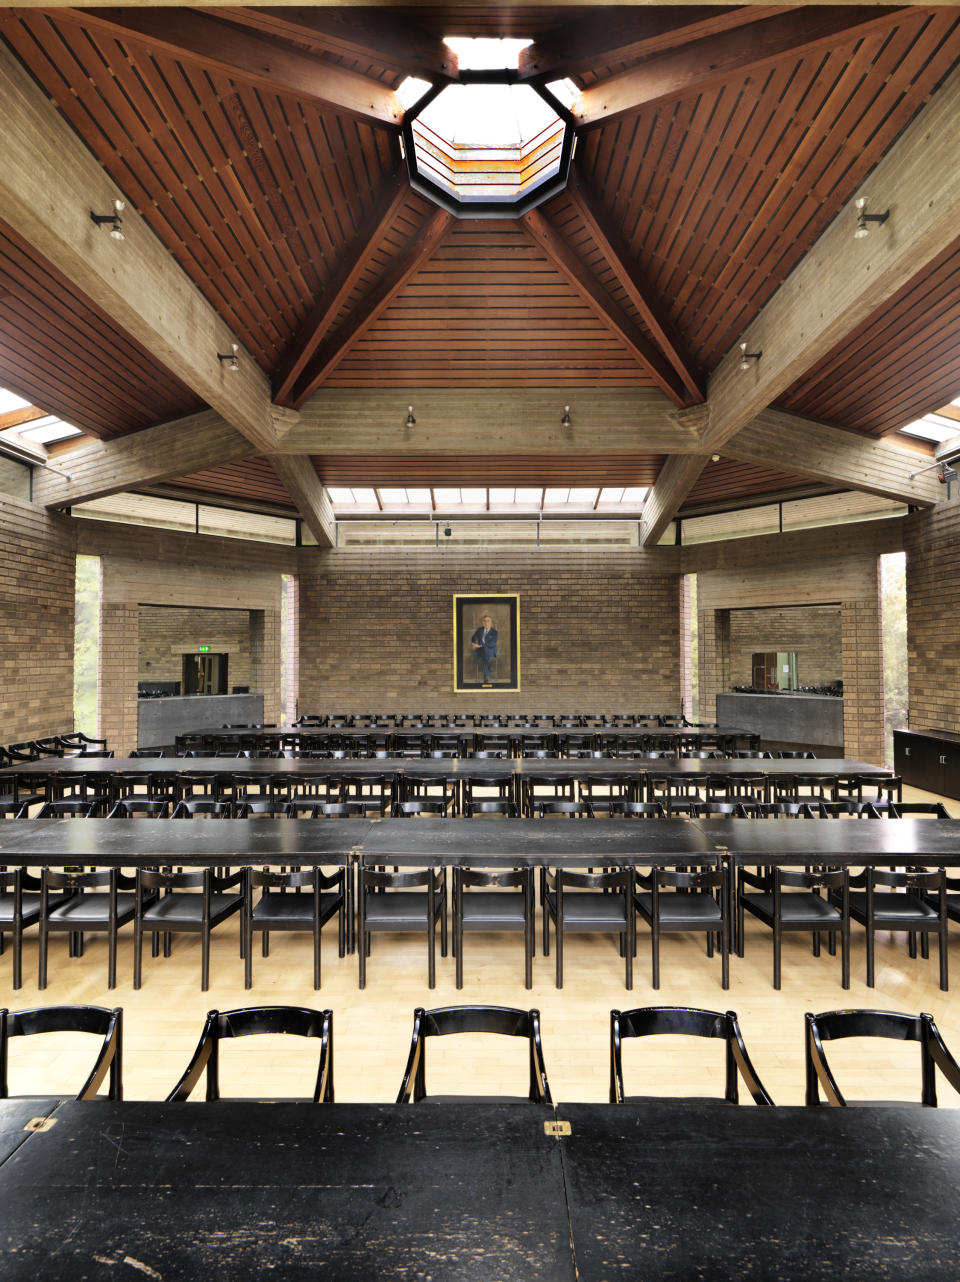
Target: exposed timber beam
[513,421]
[563,257]
[49,183]
[143,458]
[842,281]
[823,453]
[247,57]
[374,35]
[392,279]
[677,478]
[301,482]
[637,33]
[341,285]
[710,61]
[639,291]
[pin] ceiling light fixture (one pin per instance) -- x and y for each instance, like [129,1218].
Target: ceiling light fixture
[411,420]
[113,221]
[230,357]
[746,357]
[864,219]
[565,420]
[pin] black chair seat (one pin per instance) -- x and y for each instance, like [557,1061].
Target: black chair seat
[399,911]
[278,911]
[30,907]
[892,911]
[802,910]
[584,911]
[180,909]
[683,912]
[490,910]
[90,912]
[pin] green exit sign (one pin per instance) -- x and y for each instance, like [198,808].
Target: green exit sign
[203,649]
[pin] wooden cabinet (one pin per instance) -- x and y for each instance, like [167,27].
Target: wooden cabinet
[928,759]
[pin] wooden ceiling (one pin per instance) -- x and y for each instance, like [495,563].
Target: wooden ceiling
[294,220]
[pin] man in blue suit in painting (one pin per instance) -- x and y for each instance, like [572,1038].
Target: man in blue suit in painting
[484,642]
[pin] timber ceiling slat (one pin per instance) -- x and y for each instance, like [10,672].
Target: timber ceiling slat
[728,479]
[488,307]
[721,193]
[488,469]
[253,479]
[69,356]
[897,365]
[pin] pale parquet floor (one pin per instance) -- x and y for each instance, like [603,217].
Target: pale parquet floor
[372,1028]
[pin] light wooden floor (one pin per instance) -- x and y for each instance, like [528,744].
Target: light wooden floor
[372,1028]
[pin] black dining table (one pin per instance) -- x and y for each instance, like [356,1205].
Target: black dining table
[492,841]
[661,1190]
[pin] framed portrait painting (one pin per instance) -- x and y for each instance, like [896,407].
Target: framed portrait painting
[486,642]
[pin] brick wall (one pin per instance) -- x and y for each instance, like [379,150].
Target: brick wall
[837,568]
[933,610]
[37,584]
[148,567]
[169,632]
[599,630]
[813,631]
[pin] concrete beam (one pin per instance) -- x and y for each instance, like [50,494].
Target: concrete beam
[502,421]
[800,445]
[143,458]
[49,183]
[301,482]
[677,478]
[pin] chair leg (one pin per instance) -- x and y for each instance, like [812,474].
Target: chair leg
[655,953]
[942,949]
[777,943]
[363,947]
[870,958]
[112,957]
[845,955]
[316,952]
[725,953]
[559,946]
[18,957]
[42,963]
[432,954]
[138,951]
[248,955]
[204,960]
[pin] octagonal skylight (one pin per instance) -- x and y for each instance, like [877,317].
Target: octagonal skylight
[489,145]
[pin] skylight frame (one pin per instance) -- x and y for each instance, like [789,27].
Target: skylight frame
[465,204]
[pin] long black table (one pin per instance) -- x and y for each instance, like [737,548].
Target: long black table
[661,1190]
[573,842]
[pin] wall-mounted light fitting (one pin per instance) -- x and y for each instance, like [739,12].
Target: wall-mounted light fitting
[565,420]
[411,420]
[864,219]
[230,357]
[746,357]
[113,221]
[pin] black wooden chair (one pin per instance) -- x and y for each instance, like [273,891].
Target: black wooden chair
[92,901]
[139,808]
[424,808]
[602,792]
[505,1021]
[96,1020]
[486,907]
[916,810]
[649,1021]
[837,1024]
[912,900]
[588,902]
[696,900]
[560,808]
[72,808]
[19,908]
[296,900]
[402,901]
[294,1021]
[545,787]
[803,907]
[168,903]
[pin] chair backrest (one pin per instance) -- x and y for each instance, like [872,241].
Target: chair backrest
[506,1021]
[202,808]
[139,807]
[917,810]
[570,809]
[637,809]
[97,1020]
[648,1021]
[426,806]
[494,806]
[71,808]
[297,1021]
[836,1024]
